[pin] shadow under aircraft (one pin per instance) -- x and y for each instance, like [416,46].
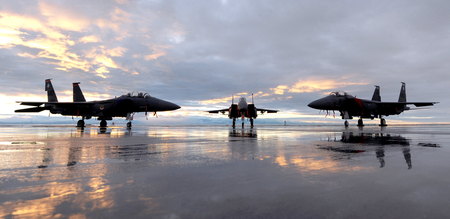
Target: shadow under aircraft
[242,110]
[123,106]
[350,106]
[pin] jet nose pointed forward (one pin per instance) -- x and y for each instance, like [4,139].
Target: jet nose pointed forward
[170,106]
[317,104]
[155,104]
[175,106]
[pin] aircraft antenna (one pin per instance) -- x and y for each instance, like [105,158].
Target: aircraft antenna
[252,99]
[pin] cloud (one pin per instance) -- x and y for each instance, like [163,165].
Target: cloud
[90,39]
[315,85]
[198,54]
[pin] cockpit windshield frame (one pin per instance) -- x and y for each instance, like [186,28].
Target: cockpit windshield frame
[138,95]
[340,94]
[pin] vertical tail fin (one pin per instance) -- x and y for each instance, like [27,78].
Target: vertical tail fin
[376,94]
[402,97]
[51,95]
[77,93]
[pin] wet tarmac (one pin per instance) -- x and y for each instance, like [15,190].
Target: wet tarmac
[220,172]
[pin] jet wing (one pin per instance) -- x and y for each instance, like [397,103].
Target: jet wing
[56,103]
[218,111]
[267,110]
[417,104]
[64,105]
[31,110]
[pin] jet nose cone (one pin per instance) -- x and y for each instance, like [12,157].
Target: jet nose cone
[171,106]
[317,104]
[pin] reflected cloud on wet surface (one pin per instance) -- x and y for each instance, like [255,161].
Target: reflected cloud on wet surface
[217,171]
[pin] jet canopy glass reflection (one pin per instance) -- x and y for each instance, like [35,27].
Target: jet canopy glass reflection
[341,94]
[138,94]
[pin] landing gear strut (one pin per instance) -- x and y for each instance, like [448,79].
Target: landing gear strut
[360,122]
[130,117]
[251,122]
[234,122]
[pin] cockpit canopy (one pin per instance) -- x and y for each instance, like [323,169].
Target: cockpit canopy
[242,99]
[340,94]
[138,95]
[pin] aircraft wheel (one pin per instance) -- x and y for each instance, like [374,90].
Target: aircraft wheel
[242,125]
[234,123]
[383,122]
[128,124]
[103,123]
[251,122]
[360,122]
[80,123]
[346,123]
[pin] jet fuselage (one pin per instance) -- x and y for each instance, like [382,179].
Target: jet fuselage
[350,106]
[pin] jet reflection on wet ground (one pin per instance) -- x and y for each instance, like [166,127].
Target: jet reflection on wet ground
[216,171]
[364,142]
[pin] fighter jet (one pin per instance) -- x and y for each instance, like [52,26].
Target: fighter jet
[350,106]
[242,110]
[122,106]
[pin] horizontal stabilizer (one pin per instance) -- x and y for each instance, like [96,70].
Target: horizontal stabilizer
[30,103]
[31,110]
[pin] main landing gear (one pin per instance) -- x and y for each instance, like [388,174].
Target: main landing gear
[80,123]
[234,123]
[383,122]
[360,122]
[103,124]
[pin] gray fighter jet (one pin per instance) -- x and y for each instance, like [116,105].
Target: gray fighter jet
[350,106]
[242,110]
[123,106]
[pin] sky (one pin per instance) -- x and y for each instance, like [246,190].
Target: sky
[198,54]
